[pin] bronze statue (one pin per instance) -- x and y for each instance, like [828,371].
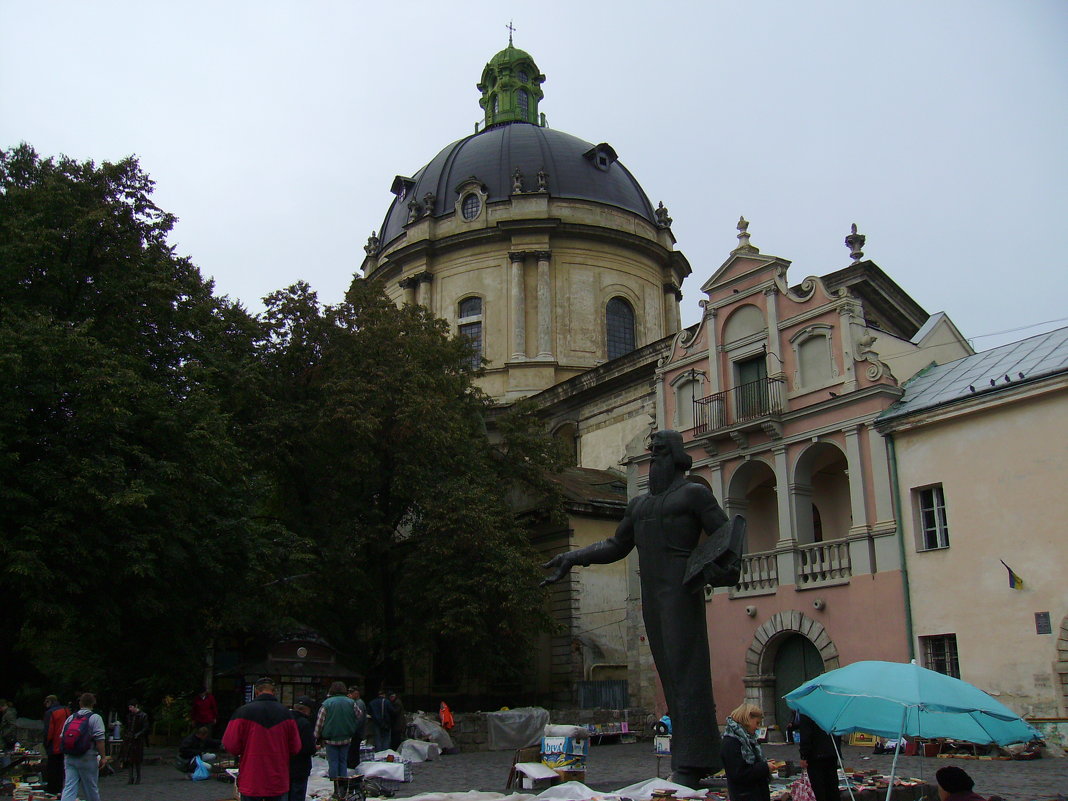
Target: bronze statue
[665,525]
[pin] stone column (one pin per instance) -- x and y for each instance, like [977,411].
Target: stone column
[880,476]
[672,296]
[545,310]
[857,475]
[775,363]
[423,294]
[408,285]
[784,500]
[519,309]
[715,386]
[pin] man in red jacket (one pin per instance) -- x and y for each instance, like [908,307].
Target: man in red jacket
[54,717]
[264,735]
[205,711]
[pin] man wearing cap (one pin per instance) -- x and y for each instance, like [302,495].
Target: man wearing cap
[955,785]
[338,719]
[264,735]
[300,763]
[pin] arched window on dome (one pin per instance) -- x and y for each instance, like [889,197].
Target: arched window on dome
[619,327]
[496,104]
[469,325]
[522,100]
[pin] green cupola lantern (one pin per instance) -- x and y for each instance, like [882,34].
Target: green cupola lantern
[511,87]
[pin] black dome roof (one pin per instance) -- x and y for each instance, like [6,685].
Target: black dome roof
[576,169]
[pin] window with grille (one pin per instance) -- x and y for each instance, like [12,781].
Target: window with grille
[471,206]
[470,327]
[940,654]
[619,327]
[933,529]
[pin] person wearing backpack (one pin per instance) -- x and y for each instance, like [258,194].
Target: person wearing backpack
[84,751]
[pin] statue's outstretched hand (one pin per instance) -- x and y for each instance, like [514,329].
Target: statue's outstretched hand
[560,565]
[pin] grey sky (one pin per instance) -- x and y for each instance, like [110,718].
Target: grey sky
[274,129]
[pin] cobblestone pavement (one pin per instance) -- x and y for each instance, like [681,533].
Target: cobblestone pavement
[613,766]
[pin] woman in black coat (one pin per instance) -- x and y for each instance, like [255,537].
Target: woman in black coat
[743,760]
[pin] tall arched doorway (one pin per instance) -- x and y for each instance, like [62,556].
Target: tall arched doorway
[796,661]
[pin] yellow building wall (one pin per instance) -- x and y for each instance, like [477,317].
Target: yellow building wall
[1004,472]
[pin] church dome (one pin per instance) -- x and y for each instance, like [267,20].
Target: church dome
[572,169]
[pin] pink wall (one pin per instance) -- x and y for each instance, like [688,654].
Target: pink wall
[862,618]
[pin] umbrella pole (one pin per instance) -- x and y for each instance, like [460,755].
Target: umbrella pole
[848,781]
[897,750]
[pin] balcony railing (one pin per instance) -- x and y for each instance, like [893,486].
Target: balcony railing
[760,573]
[816,564]
[751,401]
[823,562]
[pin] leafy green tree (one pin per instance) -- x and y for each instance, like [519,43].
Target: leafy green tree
[126,532]
[376,436]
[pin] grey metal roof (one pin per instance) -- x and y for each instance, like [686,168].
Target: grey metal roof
[990,371]
[492,155]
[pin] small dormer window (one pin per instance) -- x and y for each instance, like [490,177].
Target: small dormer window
[601,157]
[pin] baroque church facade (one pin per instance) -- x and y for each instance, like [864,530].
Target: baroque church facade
[544,250]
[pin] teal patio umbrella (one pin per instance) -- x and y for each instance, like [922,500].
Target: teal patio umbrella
[895,699]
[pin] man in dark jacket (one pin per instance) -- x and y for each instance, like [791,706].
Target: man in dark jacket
[383,712]
[264,735]
[819,756]
[198,744]
[300,763]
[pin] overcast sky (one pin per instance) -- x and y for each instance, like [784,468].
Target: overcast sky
[273,130]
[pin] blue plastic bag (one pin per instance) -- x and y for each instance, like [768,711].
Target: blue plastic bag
[202,771]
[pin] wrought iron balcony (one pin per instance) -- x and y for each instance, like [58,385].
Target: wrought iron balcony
[753,402]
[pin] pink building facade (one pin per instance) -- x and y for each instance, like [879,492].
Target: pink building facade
[776,392]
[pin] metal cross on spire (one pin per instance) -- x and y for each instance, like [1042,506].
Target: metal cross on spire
[510,28]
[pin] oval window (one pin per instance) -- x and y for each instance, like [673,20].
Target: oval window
[471,206]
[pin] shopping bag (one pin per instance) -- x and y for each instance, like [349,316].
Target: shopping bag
[203,770]
[801,790]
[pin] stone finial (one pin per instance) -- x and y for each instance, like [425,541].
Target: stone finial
[372,244]
[428,202]
[415,210]
[663,219]
[517,182]
[743,237]
[543,180]
[855,242]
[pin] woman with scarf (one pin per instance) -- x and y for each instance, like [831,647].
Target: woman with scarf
[747,771]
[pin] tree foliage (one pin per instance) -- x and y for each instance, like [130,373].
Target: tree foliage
[172,468]
[382,457]
[124,501]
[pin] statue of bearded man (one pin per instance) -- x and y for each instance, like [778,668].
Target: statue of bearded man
[665,525]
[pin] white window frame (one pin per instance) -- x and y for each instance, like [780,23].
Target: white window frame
[931,500]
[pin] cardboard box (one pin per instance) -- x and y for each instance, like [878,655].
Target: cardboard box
[564,753]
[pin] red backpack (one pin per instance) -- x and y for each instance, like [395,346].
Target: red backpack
[77,737]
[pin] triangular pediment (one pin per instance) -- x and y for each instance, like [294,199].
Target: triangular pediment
[748,266]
